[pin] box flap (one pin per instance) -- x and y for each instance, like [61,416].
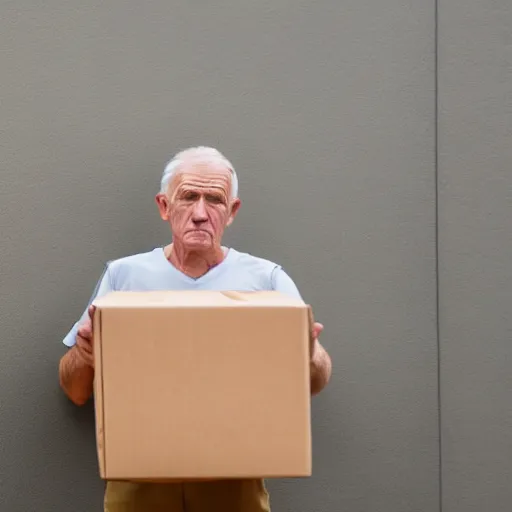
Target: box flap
[199,298]
[263,298]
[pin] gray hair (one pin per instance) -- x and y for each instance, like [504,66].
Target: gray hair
[202,153]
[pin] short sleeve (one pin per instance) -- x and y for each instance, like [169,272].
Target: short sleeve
[103,286]
[282,282]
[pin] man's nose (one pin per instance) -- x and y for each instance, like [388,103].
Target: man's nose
[199,212]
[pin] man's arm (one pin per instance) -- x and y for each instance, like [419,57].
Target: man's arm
[321,368]
[76,367]
[76,376]
[320,365]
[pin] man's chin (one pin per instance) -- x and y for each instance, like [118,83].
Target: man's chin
[198,241]
[199,247]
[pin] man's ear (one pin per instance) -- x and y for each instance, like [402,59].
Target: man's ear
[163,206]
[235,207]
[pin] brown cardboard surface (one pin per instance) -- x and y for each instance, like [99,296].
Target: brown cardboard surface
[202,385]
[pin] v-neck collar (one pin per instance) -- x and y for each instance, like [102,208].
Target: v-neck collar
[209,275]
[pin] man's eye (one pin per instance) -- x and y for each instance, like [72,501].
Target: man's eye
[189,196]
[215,199]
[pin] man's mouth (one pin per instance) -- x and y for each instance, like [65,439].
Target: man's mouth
[198,230]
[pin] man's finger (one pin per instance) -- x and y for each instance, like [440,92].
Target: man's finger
[91,310]
[85,331]
[84,343]
[84,354]
[317,329]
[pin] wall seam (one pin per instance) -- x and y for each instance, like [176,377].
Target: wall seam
[436,174]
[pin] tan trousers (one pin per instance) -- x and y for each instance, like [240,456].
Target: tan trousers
[214,496]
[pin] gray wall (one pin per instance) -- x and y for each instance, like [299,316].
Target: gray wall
[329,112]
[475,257]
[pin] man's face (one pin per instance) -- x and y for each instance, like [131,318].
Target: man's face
[198,205]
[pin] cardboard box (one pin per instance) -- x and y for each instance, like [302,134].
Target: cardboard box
[202,385]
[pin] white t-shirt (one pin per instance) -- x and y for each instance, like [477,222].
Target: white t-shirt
[152,271]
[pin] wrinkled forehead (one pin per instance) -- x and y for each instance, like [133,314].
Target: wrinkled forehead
[202,174]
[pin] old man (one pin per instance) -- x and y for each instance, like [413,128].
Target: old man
[198,198]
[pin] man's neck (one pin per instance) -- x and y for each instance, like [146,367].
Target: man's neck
[194,264]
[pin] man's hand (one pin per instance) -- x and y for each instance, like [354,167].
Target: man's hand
[76,366]
[319,360]
[84,339]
